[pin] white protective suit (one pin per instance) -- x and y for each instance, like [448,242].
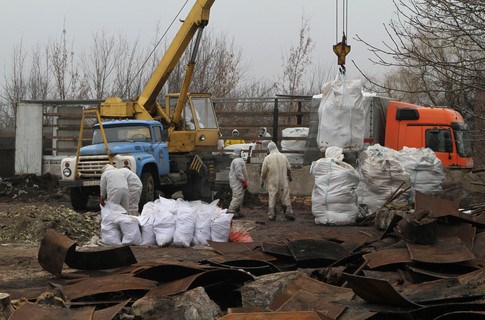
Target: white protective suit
[263,132]
[134,189]
[114,186]
[237,174]
[275,172]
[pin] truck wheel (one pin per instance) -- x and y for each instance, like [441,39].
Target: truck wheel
[79,200]
[148,190]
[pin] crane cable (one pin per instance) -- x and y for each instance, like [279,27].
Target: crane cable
[341,49]
[157,44]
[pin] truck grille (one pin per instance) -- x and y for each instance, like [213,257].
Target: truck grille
[90,167]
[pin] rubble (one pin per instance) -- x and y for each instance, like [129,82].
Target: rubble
[29,223]
[33,188]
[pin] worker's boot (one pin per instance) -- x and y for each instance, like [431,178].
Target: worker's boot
[288,213]
[271,214]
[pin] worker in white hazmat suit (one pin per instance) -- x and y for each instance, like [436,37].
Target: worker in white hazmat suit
[114,187]
[238,177]
[275,174]
[134,190]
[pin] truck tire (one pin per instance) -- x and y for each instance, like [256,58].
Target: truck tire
[79,200]
[148,189]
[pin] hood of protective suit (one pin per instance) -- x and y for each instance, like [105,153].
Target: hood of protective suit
[272,148]
[108,167]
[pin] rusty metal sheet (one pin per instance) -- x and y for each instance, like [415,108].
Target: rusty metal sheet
[479,246]
[460,315]
[56,248]
[253,255]
[432,273]
[360,239]
[210,280]
[348,233]
[464,231]
[436,206]
[305,293]
[232,247]
[100,259]
[106,284]
[387,257]
[395,278]
[277,249]
[110,312]
[438,310]
[255,267]
[311,249]
[468,285]
[246,310]
[355,314]
[53,250]
[27,293]
[288,315]
[166,272]
[446,250]
[33,311]
[377,291]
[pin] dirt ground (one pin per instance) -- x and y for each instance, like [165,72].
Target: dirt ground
[31,206]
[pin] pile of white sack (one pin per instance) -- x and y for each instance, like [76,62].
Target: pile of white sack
[384,170]
[334,201]
[381,175]
[166,222]
[425,170]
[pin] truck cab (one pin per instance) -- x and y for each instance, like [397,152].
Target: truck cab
[441,129]
[136,144]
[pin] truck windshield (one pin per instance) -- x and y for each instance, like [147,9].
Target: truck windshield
[205,113]
[122,133]
[463,143]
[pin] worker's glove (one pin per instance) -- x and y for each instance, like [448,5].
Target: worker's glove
[244,184]
[101,201]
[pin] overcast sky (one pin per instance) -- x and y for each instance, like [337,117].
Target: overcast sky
[263,29]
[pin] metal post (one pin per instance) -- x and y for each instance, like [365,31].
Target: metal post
[299,117]
[275,121]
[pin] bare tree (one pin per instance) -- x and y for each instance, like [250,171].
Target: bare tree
[99,63]
[15,86]
[441,44]
[218,70]
[296,62]
[127,80]
[38,82]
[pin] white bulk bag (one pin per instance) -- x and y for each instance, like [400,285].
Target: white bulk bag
[203,222]
[185,223]
[333,198]
[342,115]
[221,225]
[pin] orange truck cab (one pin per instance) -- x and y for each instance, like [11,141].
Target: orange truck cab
[441,129]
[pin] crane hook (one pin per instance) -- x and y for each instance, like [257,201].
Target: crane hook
[341,49]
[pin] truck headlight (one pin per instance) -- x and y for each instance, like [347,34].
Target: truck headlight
[66,172]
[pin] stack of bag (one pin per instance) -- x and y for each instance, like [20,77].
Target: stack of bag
[166,222]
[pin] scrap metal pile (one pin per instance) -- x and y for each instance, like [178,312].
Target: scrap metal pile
[428,264]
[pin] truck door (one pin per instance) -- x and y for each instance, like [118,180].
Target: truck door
[160,151]
[441,142]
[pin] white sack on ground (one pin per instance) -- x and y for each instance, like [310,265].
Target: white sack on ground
[342,115]
[381,174]
[294,145]
[146,221]
[110,230]
[130,230]
[185,222]
[424,168]
[164,227]
[333,198]
[221,225]
[202,231]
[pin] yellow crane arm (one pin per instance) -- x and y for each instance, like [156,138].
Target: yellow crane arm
[145,105]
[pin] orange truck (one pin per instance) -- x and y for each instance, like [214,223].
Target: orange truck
[397,124]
